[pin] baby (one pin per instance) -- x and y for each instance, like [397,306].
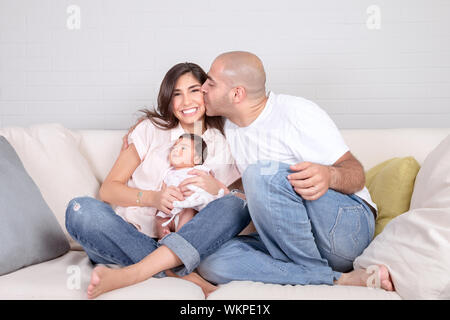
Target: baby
[186,154]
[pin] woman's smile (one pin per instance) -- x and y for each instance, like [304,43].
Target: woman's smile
[190,111]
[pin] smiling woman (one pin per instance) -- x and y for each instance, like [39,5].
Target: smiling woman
[187,101]
[180,100]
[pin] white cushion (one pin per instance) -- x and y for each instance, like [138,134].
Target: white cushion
[51,156]
[373,146]
[248,290]
[101,149]
[415,246]
[67,278]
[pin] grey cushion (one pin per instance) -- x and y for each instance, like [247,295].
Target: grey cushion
[29,231]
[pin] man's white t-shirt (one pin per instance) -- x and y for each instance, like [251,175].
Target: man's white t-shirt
[290,130]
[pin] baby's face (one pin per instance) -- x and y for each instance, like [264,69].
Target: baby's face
[182,153]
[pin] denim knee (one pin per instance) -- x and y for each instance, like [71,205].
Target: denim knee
[214,269]
[81,213]
[262,170]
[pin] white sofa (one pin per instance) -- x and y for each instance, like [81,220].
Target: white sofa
[67,277]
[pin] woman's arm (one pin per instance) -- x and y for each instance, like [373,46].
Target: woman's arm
[114,189]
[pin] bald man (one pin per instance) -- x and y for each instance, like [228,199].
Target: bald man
[304,189]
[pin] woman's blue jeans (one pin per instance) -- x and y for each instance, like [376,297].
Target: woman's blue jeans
[108,239]
[297,241]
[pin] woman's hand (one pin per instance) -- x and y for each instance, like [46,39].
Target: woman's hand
[163,200]
[202,180]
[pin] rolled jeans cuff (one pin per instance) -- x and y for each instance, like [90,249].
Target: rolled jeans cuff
[336,276]
[184,251]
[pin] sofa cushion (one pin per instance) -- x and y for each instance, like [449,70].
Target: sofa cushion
[50,154]
[249,290]
[391,185]
[373,146]
[101,149]
[29,232]
[415,246]
[67,278]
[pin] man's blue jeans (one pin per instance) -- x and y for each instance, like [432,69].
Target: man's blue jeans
[297,241]
[108,239]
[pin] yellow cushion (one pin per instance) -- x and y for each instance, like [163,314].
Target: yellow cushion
[391,185]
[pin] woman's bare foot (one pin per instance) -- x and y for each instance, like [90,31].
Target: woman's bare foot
[104,279]
[194,277]
[374,276]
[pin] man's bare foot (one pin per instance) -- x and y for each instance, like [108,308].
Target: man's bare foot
[194,277]
[374,276]
[104,279]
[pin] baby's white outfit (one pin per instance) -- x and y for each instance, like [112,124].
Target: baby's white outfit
[153,145]
[197,201]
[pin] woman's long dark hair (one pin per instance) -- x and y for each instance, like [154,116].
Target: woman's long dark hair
[163,117]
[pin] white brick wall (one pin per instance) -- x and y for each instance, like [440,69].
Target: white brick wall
[100,75]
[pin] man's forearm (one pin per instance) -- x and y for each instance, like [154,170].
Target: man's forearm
[347,176]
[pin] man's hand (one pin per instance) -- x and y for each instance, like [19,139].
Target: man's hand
[125,137]
[311,181]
